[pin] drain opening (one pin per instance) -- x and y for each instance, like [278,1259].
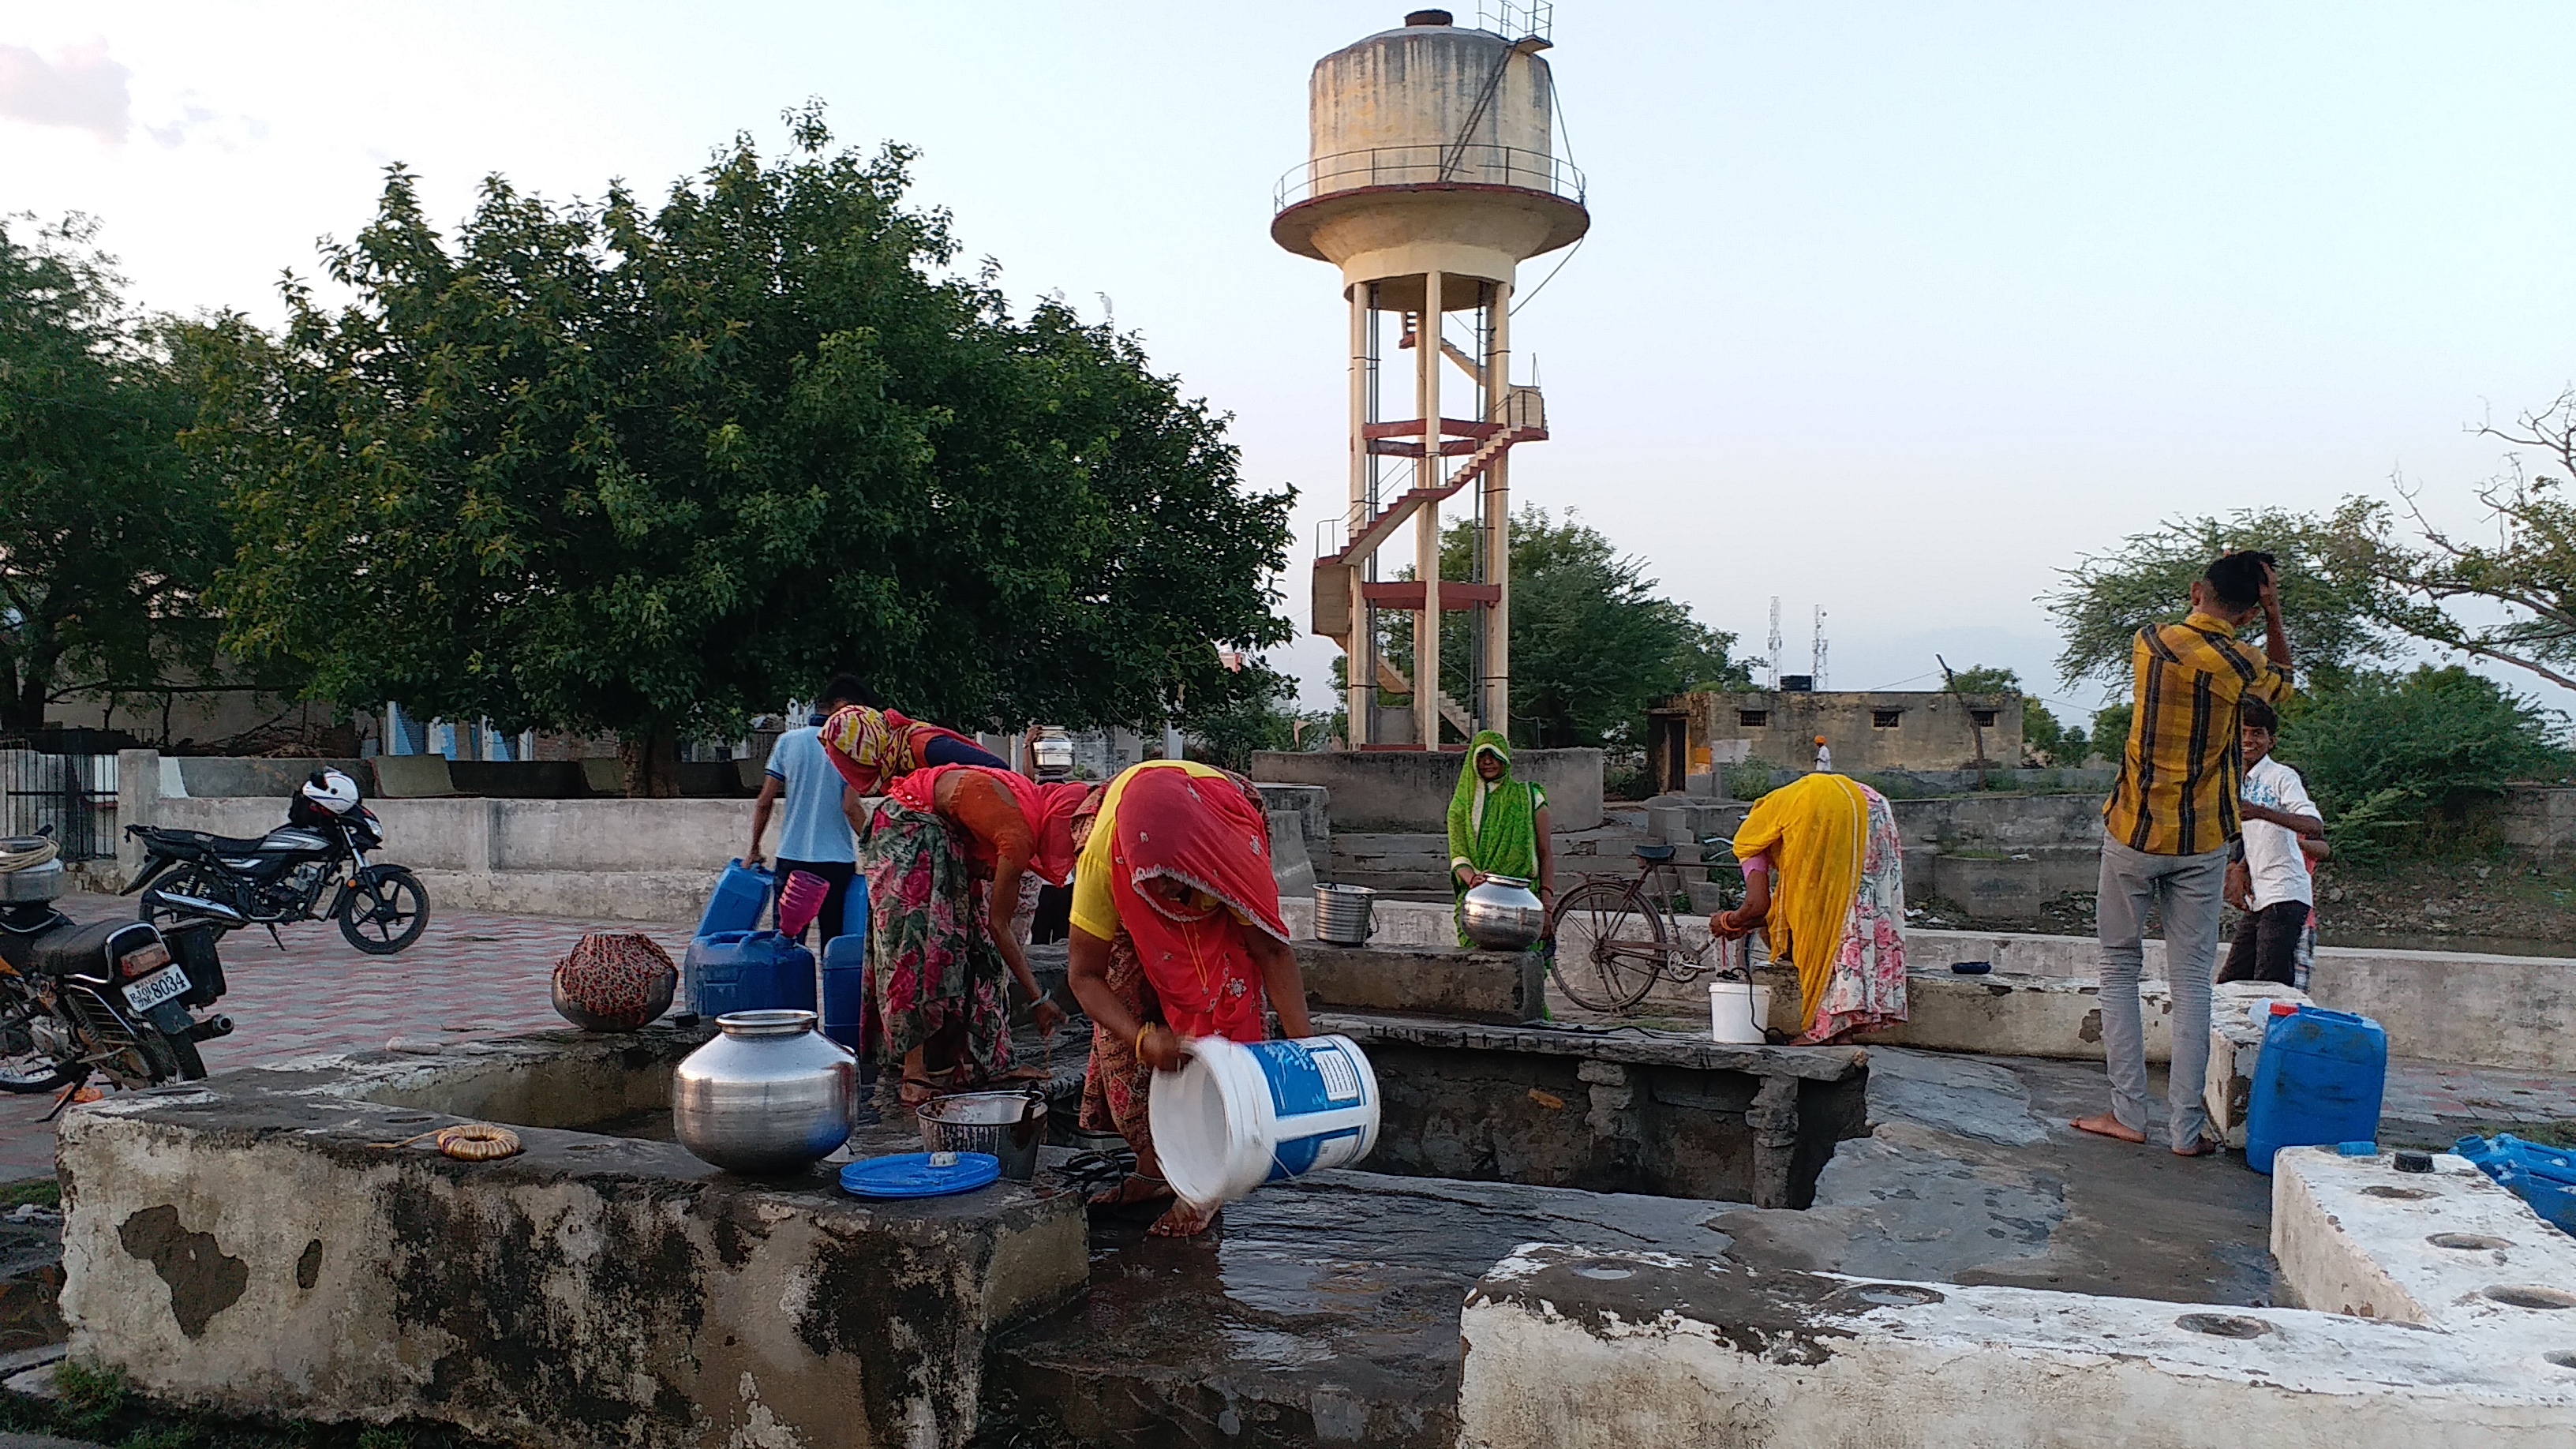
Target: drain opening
[2563,1360]
[2471,1241]
[2525,1295]
[2224,1325]
[2406,1194]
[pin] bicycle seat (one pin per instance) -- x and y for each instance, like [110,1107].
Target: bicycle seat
[1655,853]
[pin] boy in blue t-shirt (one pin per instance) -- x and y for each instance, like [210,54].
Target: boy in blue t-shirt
[813,834]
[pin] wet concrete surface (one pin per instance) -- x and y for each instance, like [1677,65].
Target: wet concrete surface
[1320,1312]
[1973,1176]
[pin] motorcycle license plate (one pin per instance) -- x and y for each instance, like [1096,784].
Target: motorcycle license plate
[168,984]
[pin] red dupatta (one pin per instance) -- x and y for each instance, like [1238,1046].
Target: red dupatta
[1048,809]
[1201,831]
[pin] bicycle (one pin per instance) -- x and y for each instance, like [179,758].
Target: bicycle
[1608,942]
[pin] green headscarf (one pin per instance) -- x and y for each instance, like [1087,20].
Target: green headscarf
[1502,839]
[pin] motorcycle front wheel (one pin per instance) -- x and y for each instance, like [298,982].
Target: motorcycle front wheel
[386,913]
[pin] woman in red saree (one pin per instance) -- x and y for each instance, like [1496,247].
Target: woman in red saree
[1175,934]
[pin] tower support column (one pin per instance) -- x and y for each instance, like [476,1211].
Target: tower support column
[1497,514]
[1426,521]
[1359,646]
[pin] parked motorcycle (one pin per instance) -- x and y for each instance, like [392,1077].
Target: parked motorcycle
[189,874]
[110,999]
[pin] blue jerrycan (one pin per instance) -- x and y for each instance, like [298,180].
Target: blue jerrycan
[2317,1083]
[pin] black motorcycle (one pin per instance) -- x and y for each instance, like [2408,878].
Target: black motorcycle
[110,999]
[280,877]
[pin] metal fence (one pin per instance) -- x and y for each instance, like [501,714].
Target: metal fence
[75,794]
[1468,164]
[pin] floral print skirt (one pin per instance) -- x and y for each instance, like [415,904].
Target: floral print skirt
[1115,1084]
[933,969]
[1867,988]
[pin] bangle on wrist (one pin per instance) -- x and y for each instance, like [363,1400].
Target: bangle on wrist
[1140,1039]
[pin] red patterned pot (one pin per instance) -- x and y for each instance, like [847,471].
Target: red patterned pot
[614,981]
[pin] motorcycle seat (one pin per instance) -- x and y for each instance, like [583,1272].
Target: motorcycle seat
[200,840]
[73,948]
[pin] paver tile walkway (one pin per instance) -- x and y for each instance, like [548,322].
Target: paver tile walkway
[472,975]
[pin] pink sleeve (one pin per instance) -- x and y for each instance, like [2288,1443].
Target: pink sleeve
[1759,864]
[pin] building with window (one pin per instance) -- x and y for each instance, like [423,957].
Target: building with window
[1693,734]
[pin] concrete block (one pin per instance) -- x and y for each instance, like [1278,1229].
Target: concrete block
[2019,1016]
[2235,1045]
[1575,1349]
[2354,1235]
[409,777]
[247,1244]
[1410,789]
[1499,987]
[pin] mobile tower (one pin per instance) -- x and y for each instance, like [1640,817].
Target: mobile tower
[1430,176]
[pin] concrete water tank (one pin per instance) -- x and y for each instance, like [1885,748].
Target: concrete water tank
[1431,146]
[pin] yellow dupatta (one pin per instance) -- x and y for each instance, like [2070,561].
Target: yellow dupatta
[1816,832]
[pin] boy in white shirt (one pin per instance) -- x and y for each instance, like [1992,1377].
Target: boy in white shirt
[2271,885]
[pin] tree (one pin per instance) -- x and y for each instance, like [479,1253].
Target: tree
[2041,733]
[2334,618]
[2523,583]
[1263,716]
[1592,643]
[107,535]
[648,470]
[2416,754]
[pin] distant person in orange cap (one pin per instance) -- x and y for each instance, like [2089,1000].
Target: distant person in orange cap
[1824,756]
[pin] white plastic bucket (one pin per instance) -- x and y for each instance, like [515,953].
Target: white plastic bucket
[1237,1114]
[1737,1011]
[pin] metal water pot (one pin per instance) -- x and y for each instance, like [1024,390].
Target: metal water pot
[1502,913]
[769,1095]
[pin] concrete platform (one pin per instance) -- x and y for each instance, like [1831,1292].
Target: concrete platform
[251,1245]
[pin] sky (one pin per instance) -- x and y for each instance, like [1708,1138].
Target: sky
[1892,309]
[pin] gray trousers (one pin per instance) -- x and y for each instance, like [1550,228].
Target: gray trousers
[2186,888]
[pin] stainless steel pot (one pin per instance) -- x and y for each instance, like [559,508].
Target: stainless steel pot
[1009,1125]
[769,1095]
[32,884]
[1342,914]
[1502,913]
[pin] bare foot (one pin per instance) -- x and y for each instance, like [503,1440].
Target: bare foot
[1185,1220]
[2103,1124]
[1138,1188]
[2205,1147]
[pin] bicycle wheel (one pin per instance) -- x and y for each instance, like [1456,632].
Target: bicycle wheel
[1606,945]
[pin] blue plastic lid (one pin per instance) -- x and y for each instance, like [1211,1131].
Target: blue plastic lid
[2358,1149]
[911,1174]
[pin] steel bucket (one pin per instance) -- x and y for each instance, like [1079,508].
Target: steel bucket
[1009,1125]
[1342,914]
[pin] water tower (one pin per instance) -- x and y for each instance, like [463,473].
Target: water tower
[1430,177]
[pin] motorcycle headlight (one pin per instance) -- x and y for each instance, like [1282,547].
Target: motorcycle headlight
[143,960]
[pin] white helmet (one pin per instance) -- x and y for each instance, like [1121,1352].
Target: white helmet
[332,791]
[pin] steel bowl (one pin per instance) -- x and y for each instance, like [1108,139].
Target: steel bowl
[769,1095]
[1502,913]
[1009,1125]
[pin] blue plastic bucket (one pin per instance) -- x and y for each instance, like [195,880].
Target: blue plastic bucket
[1239,1114]
[845,990]
[741,893]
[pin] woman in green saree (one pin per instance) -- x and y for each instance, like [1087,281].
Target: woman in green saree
[1497,825]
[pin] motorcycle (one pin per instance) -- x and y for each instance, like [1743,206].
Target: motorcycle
[280,876]
[112,998]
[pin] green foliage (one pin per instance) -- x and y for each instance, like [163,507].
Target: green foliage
[649,470]
[2111,729]
[2521,586]
[2410,762]
[1259,716]
[2041,734]
[108,536]
[1592,643]
[1750,779]
[43,1191]
[2333,616]
[88,1398]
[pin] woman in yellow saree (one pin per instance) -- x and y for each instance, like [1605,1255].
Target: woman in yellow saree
[1824,880]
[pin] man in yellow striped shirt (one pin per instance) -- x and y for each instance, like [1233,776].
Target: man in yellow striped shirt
[2166,830]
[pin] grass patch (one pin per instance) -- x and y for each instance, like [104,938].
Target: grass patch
[43,1191]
